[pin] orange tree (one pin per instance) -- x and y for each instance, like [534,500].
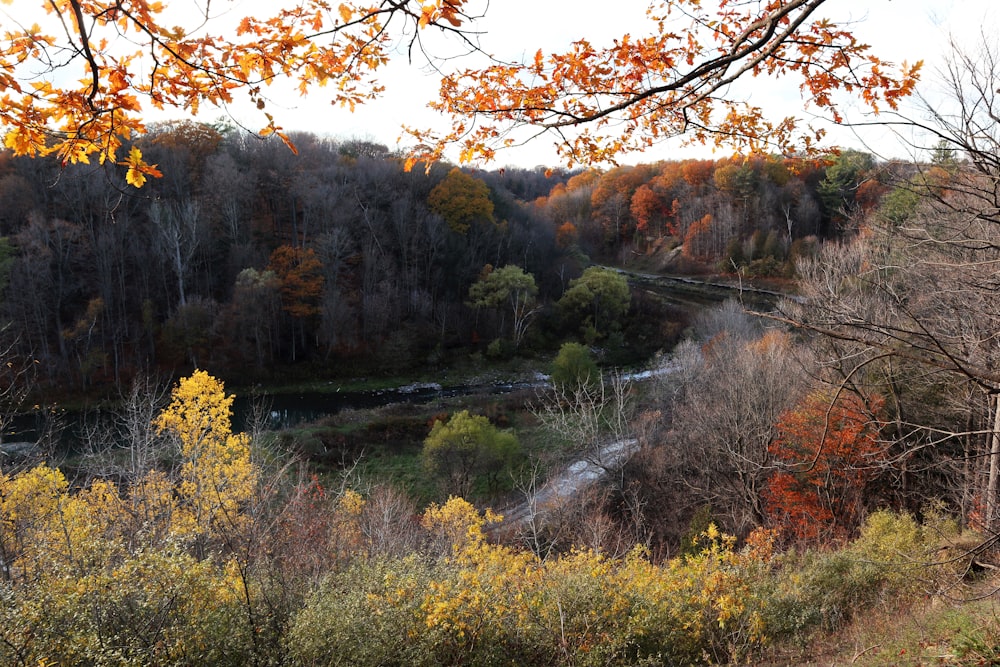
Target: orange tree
[79,87]
[828,448]
[301,284]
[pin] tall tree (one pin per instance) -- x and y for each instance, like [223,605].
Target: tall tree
[462,200]
[217,477]
[301,278]
[731,393]
[179,225]
[910,307]
[600,298]
[512,290]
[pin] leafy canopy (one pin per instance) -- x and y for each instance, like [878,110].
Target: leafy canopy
[509,288]
[461,199]
[466,447]
[574,368]
[79,87]
[600,296]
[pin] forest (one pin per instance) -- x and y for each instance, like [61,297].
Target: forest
[750,409]
[256,262]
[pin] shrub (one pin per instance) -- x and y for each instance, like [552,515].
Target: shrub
[574,368]
[468,448]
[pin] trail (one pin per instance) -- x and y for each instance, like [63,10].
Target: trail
[573,479]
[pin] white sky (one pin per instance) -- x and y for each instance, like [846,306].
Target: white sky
[898,30]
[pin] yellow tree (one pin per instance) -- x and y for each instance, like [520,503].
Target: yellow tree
[461,199]
[79,87]
[217,476]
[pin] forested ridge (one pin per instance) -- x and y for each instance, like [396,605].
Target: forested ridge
[248,259]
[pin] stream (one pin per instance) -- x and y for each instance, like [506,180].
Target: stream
[288,410]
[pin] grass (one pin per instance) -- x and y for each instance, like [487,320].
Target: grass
[386,443]
[934,632]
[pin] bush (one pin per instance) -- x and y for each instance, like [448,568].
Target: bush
[574,368]
[467,449]
[501,348]
[369,614]
[886,566]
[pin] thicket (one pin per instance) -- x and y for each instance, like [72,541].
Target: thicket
[223,558]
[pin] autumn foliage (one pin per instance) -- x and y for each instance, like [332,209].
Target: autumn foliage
[145,572]
[80,93]
[298,270]
[667,78]
[178,61]
[216,560]
[828,450]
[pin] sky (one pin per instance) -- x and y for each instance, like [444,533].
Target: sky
[898,30]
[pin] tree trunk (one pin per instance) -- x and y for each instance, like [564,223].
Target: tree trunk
[991,486]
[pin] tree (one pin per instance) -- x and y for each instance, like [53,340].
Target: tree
[462,200]
[729,395]
[601,297]
[179,228]
[184,66]
[648,208]
[591,414]
[217,477]
[465,448]
[839,188]
[908,308]
[574,367]
[511,289]
[669,81]
[300,275]
[254,311]
[79,93]
[611,201]
[828,449]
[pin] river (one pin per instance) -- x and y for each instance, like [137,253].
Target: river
[285,410]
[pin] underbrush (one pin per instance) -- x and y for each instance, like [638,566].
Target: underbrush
[900,594]
[487,604]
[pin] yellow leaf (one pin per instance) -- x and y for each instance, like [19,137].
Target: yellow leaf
[345,13]
[135,177]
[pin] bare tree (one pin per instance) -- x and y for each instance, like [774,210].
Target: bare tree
[596,418]
[126,445]
[179,226]
[730,395]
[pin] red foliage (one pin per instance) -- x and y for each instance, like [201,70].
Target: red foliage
[698,172]
[698,240]
[869,194]
[829,449]
[647,207]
